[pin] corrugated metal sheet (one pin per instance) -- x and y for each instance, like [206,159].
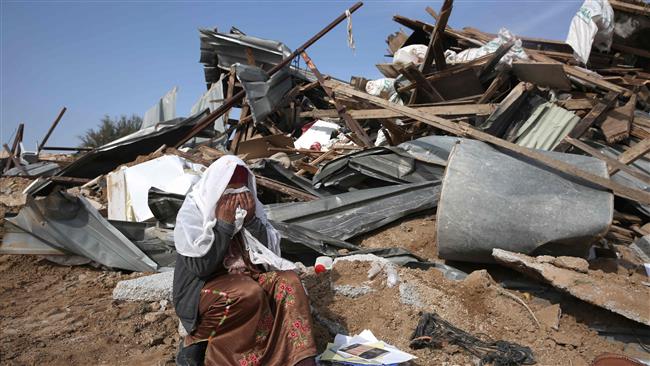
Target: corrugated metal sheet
[163,110]
[547,125]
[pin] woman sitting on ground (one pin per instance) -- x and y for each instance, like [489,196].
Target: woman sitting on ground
[230,292]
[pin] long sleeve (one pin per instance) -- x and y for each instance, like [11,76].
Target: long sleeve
[212,261]
[258,230]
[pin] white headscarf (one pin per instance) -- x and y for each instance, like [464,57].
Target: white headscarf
[194,235]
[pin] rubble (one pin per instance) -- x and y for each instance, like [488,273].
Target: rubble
[474,155]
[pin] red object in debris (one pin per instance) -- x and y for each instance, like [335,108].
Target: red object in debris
[315,146]
[307,126]
[319,268]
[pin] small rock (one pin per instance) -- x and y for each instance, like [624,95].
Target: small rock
[572,263]
[550,316]
[156,317]
[564,339]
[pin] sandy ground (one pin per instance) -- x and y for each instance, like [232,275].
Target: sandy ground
[59,315]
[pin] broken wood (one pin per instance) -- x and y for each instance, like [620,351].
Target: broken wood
[416,77]
[52,127]
[596,113]
[352,124]
[435,50]
[15,161]
[466,130]
[632,154]
[496,83]
[230,102]
[618,122]
[611,163]
[455,110]
[15,147]
[329,154]
[68,180]
[283,188]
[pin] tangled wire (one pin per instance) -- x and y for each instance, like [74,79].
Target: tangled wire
[433,331]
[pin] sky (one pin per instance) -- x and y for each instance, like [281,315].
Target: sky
[119,57]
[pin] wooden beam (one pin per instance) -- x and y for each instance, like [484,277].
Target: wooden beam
[611,163]
[340,108]
[456,110]
[596,113]
[68,180]
[435,49]
[15,146]
[494,86]
[329,154]
[274,185]
[416,77]
[52,127]
[632,154]
[14,160]
[467,130]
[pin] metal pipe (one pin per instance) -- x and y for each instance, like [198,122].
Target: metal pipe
[230,102]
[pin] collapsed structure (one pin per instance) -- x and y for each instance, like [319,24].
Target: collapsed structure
[523,147]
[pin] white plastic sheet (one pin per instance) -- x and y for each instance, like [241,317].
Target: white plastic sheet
[129,187]
[593,24]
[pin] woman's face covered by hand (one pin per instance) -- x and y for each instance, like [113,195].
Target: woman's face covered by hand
[236,195]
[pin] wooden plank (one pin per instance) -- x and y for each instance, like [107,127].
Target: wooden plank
[576,104]
[306,167]
[229,91]
[354,126]
[414,75]
[274,185]
[496,83]
[49,132]
[632,154]
[469,131]
[456,110]
[596,113]
[434,50]
[544,74]
[488,69]
[15,161]
[611,163]
[15,146]
[68,180]
[617,123]
[501,118]
[630,8]
[329,154]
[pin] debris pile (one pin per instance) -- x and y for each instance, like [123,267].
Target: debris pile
[525,156]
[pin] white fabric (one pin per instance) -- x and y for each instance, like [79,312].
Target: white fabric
[592,24]
[413,54]
[504,36]
[194,235]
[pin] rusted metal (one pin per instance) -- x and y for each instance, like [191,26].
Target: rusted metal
[230,102]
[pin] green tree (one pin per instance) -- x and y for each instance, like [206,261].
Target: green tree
[109,130]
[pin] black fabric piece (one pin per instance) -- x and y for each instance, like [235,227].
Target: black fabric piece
[192,355]
[164,206]
[433,331]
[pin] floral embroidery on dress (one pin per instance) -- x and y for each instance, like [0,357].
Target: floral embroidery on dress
[264,327]
[300,329]
[249,359]
[284,294]
[226,310]
[267,277]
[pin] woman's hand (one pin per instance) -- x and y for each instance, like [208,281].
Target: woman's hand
[226,208]
[247,202]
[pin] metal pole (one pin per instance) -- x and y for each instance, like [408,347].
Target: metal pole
[230,102]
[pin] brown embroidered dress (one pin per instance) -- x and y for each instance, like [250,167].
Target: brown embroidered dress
[249,317]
